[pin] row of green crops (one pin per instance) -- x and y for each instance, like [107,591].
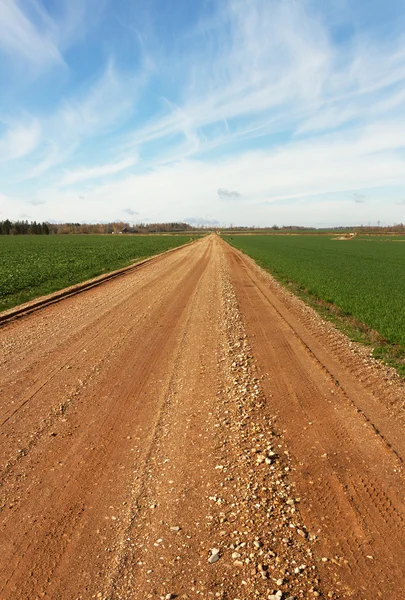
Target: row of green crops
[31,266]
[364,277]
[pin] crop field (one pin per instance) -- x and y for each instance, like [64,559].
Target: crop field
[363,277]
[31,266]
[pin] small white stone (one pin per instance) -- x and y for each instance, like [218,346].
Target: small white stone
[214,556]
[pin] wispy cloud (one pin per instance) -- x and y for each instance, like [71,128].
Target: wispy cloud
[276,71]
[105,105]
[21,37]
[30,34]
[20,140]
[256,77]
[100,171]
[259,101]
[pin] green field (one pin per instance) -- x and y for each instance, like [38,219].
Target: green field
[32,266]
[363,277]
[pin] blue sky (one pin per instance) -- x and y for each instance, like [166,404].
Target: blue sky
[251,112]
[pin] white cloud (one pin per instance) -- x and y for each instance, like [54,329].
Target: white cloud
[28,32]
[100,171]
[270,65]
[267,68]
[20,140]
[20,37]
[263,101]
[11,207]
[279,186]
[107,102]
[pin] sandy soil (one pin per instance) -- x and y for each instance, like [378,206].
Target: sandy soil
[192,430]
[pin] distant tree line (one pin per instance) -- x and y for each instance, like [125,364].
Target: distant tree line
[361,229]
[8,227]
[118,228]
[364,229]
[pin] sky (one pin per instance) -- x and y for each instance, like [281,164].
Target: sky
[215,112]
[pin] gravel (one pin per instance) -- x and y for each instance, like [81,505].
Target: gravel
[255,510]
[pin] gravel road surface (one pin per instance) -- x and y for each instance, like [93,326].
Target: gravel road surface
[192,430]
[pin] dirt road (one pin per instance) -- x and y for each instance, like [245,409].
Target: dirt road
[190,430]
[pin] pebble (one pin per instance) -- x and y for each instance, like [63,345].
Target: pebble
[214,556]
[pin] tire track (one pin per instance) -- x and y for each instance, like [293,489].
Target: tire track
[91,455]
[357,499]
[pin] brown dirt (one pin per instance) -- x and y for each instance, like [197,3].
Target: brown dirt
[193,405]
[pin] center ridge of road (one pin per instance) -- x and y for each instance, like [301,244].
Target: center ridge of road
[192,430]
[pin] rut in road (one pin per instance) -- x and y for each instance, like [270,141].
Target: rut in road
[87,423]
[138,435]
[348,447]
